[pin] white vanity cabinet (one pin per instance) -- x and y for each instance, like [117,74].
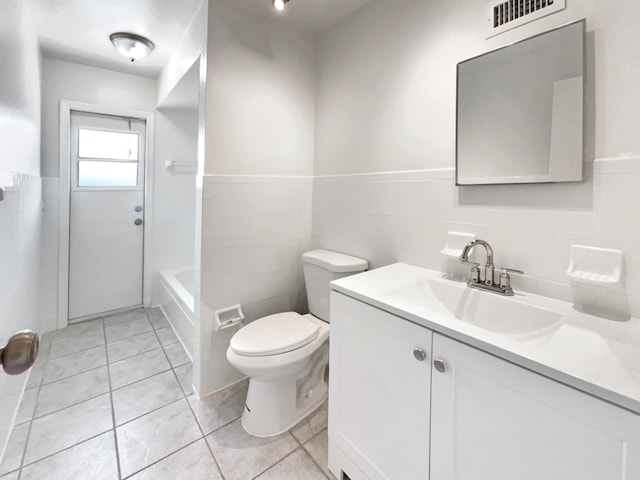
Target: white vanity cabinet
[497,421]
[379,395]
[475,417]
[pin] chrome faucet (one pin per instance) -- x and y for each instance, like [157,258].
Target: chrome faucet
[485,278]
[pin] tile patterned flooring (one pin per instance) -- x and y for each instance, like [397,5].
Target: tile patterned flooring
[111,399]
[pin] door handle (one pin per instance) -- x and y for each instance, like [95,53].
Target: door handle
[20,352]
[138,221]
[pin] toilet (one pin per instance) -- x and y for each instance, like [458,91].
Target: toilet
[285,355]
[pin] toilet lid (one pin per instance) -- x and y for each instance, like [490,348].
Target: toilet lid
[279,333]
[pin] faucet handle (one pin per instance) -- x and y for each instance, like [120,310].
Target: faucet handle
[505,279]
[511,270]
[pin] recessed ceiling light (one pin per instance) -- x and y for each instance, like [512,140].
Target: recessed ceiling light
[131,45]
[280,4]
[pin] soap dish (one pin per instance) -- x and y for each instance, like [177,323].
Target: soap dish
[601,267]
[456,242]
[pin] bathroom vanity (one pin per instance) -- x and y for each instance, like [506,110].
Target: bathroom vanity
[433,380]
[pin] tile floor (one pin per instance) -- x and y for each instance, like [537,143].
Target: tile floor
[111,399]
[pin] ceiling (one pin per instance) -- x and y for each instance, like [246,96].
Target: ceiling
[308,15]
[78,30]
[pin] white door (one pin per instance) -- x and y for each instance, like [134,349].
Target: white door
[379,396]
[106,214]
[492,420]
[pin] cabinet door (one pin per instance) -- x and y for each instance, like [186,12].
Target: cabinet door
[493,420]
[379,393]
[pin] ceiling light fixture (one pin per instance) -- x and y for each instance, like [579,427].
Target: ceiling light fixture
[131,45]
[280,4]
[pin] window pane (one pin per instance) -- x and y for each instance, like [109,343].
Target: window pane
[111,145]
[107,174]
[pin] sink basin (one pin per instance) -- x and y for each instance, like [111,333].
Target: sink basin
[508,316]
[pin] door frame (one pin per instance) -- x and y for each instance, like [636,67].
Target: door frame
[64,189]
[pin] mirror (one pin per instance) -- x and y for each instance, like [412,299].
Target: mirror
[520,111]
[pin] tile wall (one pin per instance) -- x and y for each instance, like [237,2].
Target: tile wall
[20,237]
[254,231]
[49,253]
[405,216]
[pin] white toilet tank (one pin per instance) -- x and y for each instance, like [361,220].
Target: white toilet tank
[320,268]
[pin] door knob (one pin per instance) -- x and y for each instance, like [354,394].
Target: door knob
[138,208]
[138,221]
[20,352]
[439,364]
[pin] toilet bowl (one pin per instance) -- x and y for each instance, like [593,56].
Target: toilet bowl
[285,355]
[284,387]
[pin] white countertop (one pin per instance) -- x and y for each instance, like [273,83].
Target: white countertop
[593,354]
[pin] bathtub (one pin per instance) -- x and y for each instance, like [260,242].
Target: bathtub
[177,304]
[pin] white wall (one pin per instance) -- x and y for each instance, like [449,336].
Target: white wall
[19,91]
[256,208]
[386,102]
[387,81]
[260,95]
[20,222]
[174,192]
[81,83]
[191,46]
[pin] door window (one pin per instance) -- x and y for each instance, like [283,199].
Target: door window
[107,159]
[107,145]
[107,174]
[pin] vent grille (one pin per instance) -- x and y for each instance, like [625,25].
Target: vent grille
[506,15]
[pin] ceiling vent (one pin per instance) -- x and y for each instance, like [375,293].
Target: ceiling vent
[505,15]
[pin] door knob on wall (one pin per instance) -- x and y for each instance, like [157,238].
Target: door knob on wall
[20,352]
[138,221]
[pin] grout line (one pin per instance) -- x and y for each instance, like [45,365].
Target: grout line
[79,351]
[29,428]
[64,336]
[113,415]
[67,448]
[45,361]
[144,378]
[279,461]
[134,334]
[187,395]
[142,309]
[75,374]
[184,398]
[204,436]
[163,458]
[312,457]
[150,411]
[71,404]
[133,356]
[33,418]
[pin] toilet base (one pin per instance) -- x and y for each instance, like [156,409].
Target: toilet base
[274,407]
[262,423]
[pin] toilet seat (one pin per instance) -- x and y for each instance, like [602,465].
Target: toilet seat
[274,334]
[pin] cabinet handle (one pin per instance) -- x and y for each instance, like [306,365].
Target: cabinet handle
[439,364]
[420,354]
